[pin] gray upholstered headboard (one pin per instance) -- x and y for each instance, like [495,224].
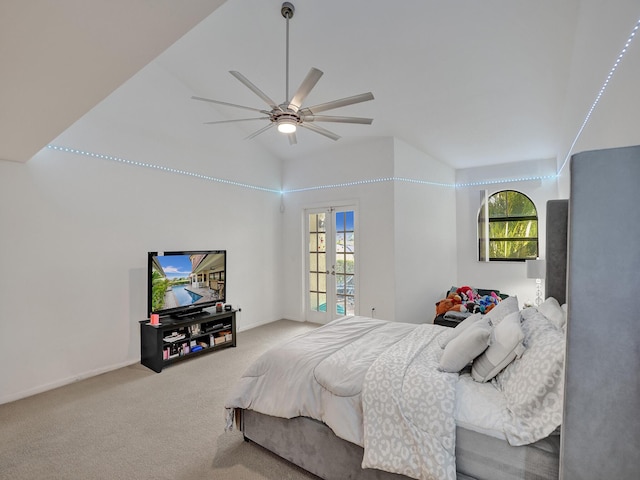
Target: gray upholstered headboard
[556,254]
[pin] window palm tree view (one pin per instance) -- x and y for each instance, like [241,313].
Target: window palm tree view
[512,233]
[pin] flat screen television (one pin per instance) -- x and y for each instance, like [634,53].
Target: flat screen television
[182,284]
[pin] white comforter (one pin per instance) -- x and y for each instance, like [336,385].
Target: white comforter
[319,374]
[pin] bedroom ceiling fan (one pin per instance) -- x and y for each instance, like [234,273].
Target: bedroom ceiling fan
[289,115]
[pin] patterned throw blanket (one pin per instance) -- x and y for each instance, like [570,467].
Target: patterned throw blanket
[408,407]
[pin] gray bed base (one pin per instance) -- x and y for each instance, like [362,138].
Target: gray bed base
[314,447]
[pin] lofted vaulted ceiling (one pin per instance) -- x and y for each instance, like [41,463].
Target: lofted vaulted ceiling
[470,83]
[58,59]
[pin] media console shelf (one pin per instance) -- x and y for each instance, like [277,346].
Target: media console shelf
[174,339]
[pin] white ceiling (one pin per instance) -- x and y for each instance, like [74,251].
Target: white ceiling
[58,59]
[469,82]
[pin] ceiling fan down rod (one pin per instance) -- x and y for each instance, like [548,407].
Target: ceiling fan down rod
[287,11]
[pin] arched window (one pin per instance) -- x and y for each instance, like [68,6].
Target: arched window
[508,228]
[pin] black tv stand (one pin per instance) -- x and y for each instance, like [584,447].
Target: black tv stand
[189,314]
[176,339]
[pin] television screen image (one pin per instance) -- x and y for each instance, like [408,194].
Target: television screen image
[183,283]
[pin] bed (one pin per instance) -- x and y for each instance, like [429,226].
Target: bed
[362,398]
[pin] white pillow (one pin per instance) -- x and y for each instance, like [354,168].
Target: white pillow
[445,338]
[551,309]
[504,346]
[504,308]
[461,351]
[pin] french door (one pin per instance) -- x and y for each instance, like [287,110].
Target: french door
[331,263]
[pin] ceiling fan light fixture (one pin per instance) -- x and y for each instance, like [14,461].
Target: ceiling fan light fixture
[286,125]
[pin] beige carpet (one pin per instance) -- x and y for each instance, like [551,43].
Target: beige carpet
[133,423]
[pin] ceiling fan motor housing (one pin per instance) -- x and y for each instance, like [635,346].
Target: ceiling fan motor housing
[287,115]
[287,10]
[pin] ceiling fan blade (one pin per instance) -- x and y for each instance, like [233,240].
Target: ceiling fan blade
[254,89]
[292,138]
[263,129]
[305,87]
[363,97]
[320,130]
[327,118]
[235,120]
[230,104]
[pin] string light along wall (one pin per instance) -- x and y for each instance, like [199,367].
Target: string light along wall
[601,92]
[377,180]
[159,167]
[293,190]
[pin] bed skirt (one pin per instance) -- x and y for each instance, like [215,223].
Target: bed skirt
[313,446]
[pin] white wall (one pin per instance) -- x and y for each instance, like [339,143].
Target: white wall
[406,237]
[508,277]
[76,231]
[425,233]
[351,161]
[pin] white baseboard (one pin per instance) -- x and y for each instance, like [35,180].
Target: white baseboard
[64,381]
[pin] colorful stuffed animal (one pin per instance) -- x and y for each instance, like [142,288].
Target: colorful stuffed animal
[443,306]
[473,307]
[467,293]
[449,303]
[488,302]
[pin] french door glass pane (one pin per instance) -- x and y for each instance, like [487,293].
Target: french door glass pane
[317,262]
[322,302]
[322,262]
[350,243]
[313,301]
[341,302]
[345,263]
[322,282]
[322,245]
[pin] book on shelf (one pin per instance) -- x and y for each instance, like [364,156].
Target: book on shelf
[174,337]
